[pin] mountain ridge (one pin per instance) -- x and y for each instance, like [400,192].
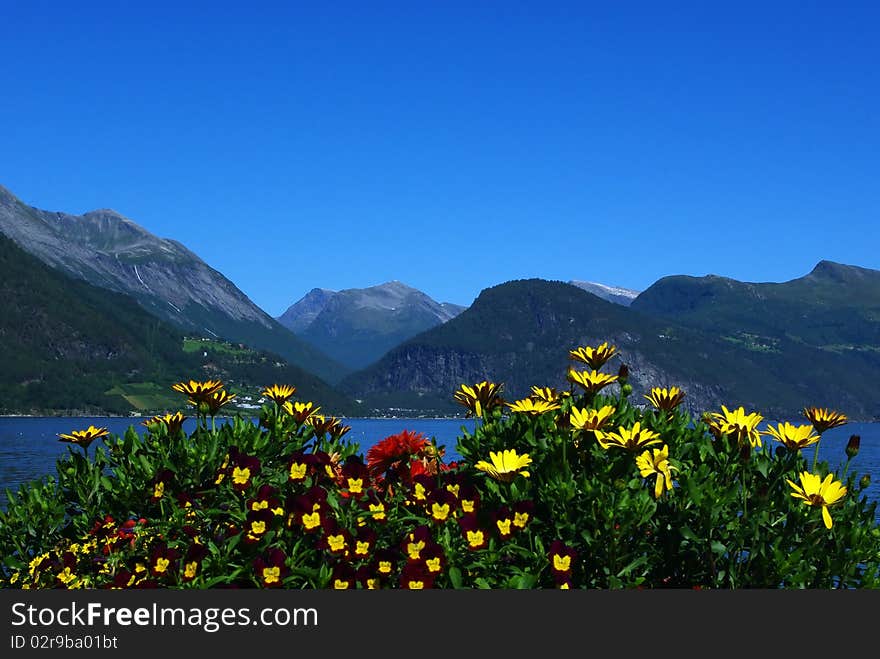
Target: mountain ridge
[356,326]
[109,250]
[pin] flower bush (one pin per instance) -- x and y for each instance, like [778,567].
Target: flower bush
[581,488]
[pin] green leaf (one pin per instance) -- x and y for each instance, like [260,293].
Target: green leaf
[455,577]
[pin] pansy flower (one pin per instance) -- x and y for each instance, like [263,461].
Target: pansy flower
[422,488]
[415,576]
[160,482]
[163,560]
[270,568]
[334,539]
[343,577]
[355,477]
[297,467]
[367,578]
[305,509]
[257,524]
[265,499]
[503,522]
[363,543]
[243,468]
[562,559]
[474,535]
[468,499]
[522,514]
[192,561]
[441,506]
[385,562]
[416,541]
[433,559]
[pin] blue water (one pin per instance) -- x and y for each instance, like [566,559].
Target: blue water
[29,446]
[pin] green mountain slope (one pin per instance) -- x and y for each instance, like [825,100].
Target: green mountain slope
[835,307]
[69,347]
[520,332]
[111,251]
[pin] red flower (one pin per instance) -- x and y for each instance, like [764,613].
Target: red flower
[389,452]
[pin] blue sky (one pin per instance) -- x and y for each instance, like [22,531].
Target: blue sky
[455,145]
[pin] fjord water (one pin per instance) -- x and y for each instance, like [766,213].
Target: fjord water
[29,446]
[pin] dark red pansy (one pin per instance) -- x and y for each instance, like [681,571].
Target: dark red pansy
[343,577]
[522,514]
[441,506]
[502,519]
[415,576]
[270,568]
[192,561]
[257,524]
[561,558]
[163,560]
[475,536]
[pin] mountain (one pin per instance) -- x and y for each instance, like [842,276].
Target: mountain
[68,347]
[108,250]
[615,294]
[835,307]
[302,313]
[520,332]
[357,326]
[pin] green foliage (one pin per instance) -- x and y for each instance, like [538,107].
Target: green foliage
[280,503]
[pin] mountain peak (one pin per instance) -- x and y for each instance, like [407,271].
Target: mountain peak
[839,272]
[616,294]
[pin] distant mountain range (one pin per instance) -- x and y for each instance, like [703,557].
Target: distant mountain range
[110,251]
[98,313]
[520,332]
[357,326]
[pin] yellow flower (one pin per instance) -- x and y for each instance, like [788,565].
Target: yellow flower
[300,411]
[216,400]
[630,439]
[658,463]
[665,399]
[738,424]
[532,406]
[791,436]
[548,394]
[591,381]
[590,419]
[479,398]
[596,357]
[83,437]
[824,419]
[280,393]
[198,391]
[817,492]
[174,422]
[505,465]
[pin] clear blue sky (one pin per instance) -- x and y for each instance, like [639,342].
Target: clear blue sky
[455,145]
